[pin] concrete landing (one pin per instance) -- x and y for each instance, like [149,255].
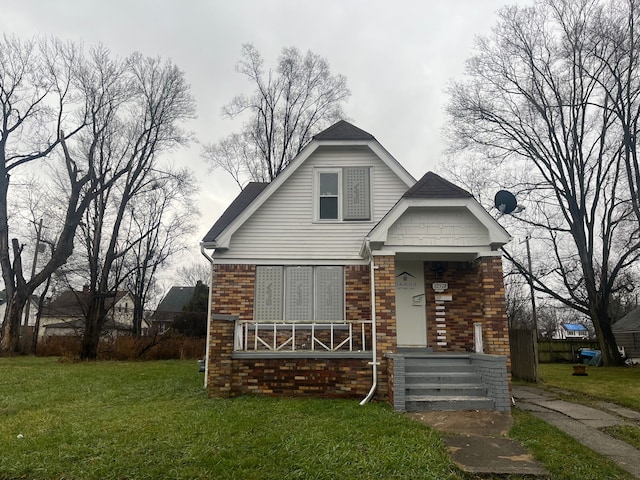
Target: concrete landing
[475,441]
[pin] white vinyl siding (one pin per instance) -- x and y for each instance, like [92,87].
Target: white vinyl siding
[284,228]
[307,293]
[438,226]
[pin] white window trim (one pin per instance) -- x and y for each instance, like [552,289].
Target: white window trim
[316,194]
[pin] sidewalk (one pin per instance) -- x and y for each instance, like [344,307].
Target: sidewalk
[582,423]
[477,443]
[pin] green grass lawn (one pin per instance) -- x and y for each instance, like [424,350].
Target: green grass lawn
[153,420]
[138,420]
[619,385]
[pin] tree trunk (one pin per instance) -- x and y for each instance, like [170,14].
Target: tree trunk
[93,328]
[11,325]
[607,341]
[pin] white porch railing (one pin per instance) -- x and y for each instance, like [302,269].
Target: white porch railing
[350,336]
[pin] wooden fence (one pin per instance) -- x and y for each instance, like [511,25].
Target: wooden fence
[562,351]
[524,365]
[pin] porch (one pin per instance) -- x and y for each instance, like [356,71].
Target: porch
[424,381]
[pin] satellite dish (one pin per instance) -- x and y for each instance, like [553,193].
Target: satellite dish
[506,202]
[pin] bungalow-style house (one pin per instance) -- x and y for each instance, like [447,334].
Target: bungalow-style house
[65,314]
[346,277]
[169,307]
[572,331]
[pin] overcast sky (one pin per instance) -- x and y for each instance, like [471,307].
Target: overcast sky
[397,56]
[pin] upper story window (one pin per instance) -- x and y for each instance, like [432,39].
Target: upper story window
[329,195]
[343,194]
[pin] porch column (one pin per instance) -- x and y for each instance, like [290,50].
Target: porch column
[220,350]
[385,298]
[495,323]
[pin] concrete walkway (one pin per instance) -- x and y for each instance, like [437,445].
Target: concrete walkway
[476,441]
[582,423]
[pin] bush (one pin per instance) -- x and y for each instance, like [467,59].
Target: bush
[124,347]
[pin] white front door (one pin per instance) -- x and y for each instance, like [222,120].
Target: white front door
[411,318]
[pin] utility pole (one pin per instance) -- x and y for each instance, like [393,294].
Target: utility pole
[25,322]
[533,313]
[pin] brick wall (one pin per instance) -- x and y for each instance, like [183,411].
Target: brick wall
[459,313]
[495,324]
[233,290]
[233,295]
[385,281]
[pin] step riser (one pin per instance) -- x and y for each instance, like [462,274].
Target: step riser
[448,391]
[429,368]
[438,379]
[449,405]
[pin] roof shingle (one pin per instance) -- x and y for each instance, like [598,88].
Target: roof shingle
[434,186]
[343,130]
[242,201]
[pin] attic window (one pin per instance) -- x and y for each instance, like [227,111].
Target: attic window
[329,195]
[343,194]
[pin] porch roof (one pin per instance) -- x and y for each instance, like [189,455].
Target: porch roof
[436,217]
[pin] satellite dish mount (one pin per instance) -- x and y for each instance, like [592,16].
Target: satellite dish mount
[505,201]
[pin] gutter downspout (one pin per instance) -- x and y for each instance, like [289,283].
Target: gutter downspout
[374,337]
[206,355]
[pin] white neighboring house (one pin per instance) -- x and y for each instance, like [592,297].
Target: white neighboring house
[65,315]
[569,331]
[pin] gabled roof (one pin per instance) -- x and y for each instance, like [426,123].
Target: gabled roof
[434,186]
[343,130]
[173,301]
[433,191]
[338,134]
[629,323]
[242,201]
[75,304]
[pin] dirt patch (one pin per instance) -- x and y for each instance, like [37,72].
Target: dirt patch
[475,423]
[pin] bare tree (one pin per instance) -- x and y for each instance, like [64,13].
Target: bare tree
[289,105]
[539,103]
[149,98]
[160,218]
[190,275]
[36,102]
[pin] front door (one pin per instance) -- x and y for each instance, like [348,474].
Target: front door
[411,319]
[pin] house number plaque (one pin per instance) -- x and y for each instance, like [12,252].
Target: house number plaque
[440,287]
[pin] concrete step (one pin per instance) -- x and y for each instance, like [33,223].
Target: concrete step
[439,367]
[440,377]
[450,390]
[423,403]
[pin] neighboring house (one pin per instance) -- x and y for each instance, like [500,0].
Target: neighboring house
[346,277]
[65,315]
[627,333]
[170,306]
[572,331]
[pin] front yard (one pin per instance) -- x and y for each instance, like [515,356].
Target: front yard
[139,420]
[114,420]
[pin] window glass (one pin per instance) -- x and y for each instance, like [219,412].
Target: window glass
[328,184]
[329,202]
[328,208]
